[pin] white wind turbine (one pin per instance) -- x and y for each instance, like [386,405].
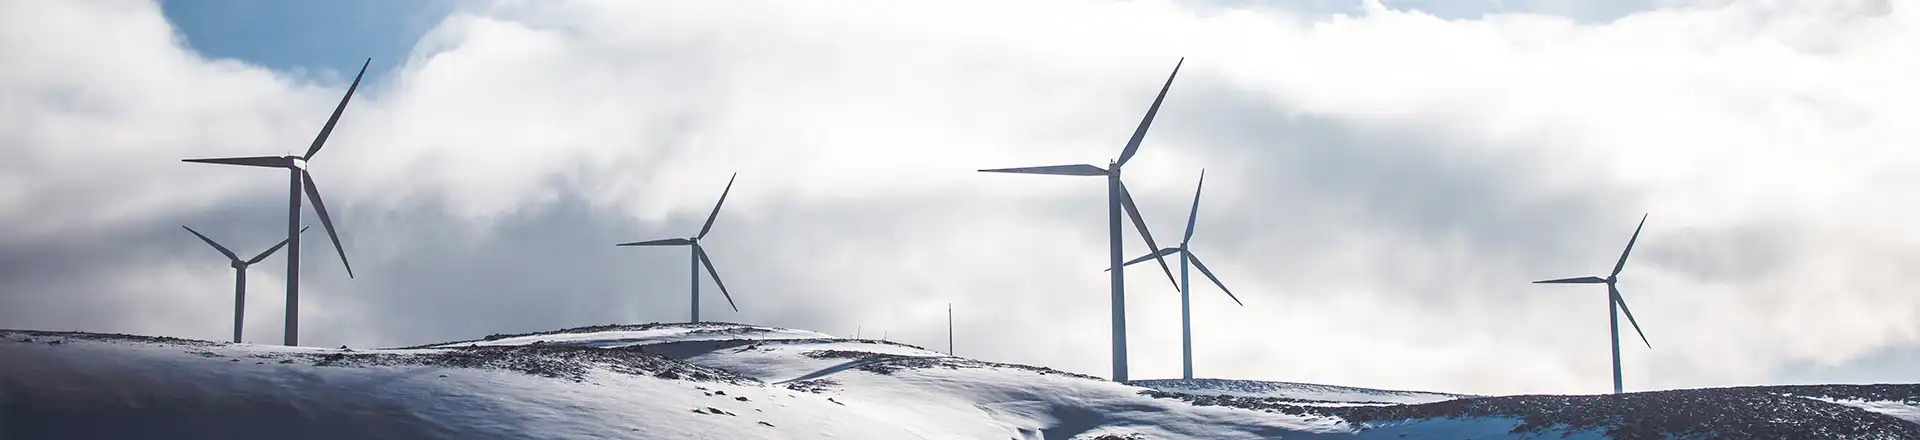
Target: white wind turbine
[1187,256]
[1117,199]
[240,268]
[1615,304]
[699,256]
[298,180]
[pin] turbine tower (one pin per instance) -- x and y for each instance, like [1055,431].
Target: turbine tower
[1186,256]
[1614,301]
[699,255]
[239,276]
[299,179]
[1117,198]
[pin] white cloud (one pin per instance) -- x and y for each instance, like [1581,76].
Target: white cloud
[1382,185]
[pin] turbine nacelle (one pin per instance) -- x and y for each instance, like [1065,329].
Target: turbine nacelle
[297,162]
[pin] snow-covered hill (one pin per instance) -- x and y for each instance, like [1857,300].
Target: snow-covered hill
[729,381]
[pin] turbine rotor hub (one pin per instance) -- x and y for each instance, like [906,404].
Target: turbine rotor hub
[297,162]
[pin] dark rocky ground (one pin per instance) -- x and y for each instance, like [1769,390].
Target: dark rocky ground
[51,337]
[704,327]
[1772,412]
[555,361]
[1222,386]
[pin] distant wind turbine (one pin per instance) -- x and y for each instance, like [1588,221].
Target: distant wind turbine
[1186,255]
[699,254]
[1614,301]
[239,276]
[1117,198]
[297,169]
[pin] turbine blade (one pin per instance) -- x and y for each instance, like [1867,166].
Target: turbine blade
[1140,133]
[216,246]
[716,276]
[263,255]
[1159,253]
[1623,307]
[1126,201]
[660,242]
[1623,254]
[716,207]
[1216,281]
[1195,213]
[331,120]
[252,161]
[1062,170]
[1580,280]
[326,221]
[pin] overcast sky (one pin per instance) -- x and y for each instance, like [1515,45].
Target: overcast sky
[1383,180]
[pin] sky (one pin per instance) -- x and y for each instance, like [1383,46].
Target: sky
[1384,179]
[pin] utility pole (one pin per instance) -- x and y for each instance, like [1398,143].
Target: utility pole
[949,329]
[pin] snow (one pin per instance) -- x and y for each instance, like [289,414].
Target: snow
[1908,411]
[622,338]
[220,390]
[1332,394]
[672,381]
[992,402]
[781,363]
[172,389]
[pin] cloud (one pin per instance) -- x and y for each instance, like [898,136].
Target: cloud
[1382,184]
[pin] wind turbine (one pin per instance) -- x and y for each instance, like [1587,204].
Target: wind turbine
[1117,198]
[1614,301]
[699,255]
[239,276]
[299,179]
[1186,255]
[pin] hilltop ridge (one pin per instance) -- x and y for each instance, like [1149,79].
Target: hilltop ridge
[722,380]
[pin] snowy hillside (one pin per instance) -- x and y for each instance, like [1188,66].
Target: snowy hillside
[727,381]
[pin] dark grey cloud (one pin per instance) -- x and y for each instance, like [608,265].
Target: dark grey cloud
[1308,175]
[552,266]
